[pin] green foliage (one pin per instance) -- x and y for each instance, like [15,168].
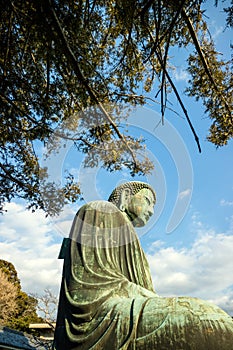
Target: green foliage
[10,271]
[25,309]
[218,100]
[59,58]
[229,11]
[25,314]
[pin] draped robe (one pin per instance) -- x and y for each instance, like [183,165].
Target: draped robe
[107,300]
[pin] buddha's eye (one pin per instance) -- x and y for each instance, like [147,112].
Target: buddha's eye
[147,200]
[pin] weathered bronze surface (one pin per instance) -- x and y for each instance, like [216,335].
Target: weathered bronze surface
[107,300]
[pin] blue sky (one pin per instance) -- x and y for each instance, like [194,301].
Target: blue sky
[195,258]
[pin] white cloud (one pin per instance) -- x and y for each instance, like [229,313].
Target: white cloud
[180,74]
[224,301]
[62,224]
[184,193]
[216,31]
[32,243]
[204,270]
[225,203]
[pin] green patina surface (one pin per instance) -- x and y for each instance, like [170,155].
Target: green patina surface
[107,300]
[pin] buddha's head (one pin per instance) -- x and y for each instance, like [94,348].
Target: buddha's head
[136,199]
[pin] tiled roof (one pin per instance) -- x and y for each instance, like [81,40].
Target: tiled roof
[19,340]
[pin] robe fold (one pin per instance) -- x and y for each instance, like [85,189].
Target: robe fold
[107,300]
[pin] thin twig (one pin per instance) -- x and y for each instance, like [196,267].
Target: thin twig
[141,97]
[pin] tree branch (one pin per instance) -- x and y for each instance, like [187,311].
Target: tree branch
[143,97]
[158,42]
[71,57]
[203,60]
[169,31]
[6,58]
[181,104]
[145,8]
[70,138]
[177,95]
[7,176]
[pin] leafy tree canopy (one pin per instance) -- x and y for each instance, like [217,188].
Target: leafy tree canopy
[8,295]
[18,309]
[59,57]
[9,270]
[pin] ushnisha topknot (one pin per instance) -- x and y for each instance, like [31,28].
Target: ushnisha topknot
[134,186]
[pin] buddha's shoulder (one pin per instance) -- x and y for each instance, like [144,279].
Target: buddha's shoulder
[100,205]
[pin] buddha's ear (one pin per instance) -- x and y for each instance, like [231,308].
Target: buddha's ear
[124,198]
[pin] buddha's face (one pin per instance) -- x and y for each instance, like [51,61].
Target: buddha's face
[140,207]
